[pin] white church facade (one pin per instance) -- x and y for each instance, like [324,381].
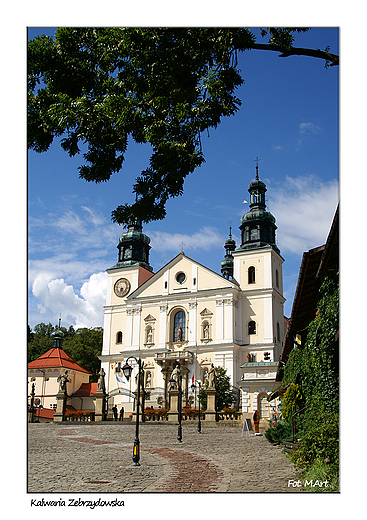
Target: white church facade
[186,312]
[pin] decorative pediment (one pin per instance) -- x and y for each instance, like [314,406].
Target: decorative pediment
[149,318]
[205,313]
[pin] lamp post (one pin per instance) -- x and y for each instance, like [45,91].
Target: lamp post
[127,369]
[172,382]
[193,387]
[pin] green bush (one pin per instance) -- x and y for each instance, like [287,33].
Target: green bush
[292,402]
[320,442]
[279,432]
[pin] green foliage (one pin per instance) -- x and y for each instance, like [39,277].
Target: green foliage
[321,441]
[282,36]
[322,472]
[292,402]
[225,394]
[83,345]
[98,87]
[318,362]
[162,86]
[317,365]
[280,432]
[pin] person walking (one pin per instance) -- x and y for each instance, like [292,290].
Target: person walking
[122,413]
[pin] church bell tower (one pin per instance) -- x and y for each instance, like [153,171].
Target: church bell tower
[258,225]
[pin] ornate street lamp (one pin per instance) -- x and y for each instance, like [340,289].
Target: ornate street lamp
[193,387]
[127,369]
[172,382]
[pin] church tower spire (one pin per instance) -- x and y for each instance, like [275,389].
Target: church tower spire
[258,225]
[227,263]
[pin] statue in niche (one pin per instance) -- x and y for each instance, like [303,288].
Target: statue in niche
[212,377]
[179,334]
[206,330]
[148,379]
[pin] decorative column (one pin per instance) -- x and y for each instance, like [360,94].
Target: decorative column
[173,409]
[211,392]
[192,324]
[162,325]
[219,320]
[136,328]
[211,406]
[129,328]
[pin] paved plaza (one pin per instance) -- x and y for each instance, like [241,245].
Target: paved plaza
[96,457]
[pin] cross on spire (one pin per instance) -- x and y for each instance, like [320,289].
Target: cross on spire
[182,246]
[257,167]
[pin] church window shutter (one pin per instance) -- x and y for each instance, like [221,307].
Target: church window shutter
[252,327]
[251,274]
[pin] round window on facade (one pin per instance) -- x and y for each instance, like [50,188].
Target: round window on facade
[180,278]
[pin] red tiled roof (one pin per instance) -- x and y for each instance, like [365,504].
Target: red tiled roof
[55,358]
[86,389]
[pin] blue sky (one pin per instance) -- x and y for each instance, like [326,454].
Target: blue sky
[289,118]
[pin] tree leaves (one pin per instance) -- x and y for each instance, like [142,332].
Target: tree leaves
[163,86]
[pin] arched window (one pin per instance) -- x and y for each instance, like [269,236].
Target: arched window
[277,278]
[252,327]
[119,337]
[251,274]
[278,332]
[179,323]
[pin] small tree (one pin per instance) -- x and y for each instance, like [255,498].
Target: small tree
[225,394]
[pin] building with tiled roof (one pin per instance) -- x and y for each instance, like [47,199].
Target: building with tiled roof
[45,370]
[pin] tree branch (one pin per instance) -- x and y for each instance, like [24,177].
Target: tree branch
[289,51]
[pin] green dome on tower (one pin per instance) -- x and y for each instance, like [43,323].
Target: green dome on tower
[134,247]
[258,225]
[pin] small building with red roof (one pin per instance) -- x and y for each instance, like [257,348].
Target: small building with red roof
[44,373]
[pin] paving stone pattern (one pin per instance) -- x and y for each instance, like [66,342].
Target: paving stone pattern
[92,457]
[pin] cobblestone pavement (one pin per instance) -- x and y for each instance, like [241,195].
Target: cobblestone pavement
[97,457]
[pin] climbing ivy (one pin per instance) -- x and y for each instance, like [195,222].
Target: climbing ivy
[315,367]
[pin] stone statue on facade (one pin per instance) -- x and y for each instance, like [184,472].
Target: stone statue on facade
[212,377]
[62,380]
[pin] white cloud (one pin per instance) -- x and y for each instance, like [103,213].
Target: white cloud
[57,297]
[206,238]
[309,128]
[304,208]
